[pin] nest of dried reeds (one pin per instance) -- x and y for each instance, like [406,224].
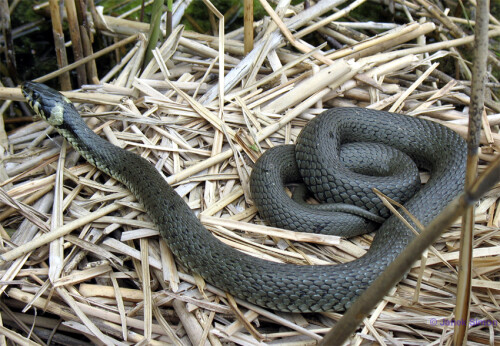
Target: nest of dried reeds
[106,274]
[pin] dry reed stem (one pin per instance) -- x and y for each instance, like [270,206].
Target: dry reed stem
[62,58]
[202,113]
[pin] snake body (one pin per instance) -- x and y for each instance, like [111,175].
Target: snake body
[284,287]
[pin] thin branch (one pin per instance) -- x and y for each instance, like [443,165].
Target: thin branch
[396,270]
[473,141]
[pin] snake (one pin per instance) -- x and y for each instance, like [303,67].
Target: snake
[287,287]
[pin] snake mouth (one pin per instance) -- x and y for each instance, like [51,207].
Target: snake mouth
[30,93]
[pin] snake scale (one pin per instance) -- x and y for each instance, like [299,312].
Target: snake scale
[279,286]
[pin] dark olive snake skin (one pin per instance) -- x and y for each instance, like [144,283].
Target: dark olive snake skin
[283,287]
[344,214]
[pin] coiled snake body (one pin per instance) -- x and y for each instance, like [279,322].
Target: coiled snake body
[284,287]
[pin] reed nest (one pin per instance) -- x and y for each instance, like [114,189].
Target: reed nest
[202,112]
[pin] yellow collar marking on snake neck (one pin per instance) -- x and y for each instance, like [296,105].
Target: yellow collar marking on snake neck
[56,117]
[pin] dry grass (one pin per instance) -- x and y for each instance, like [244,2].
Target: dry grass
[102,271]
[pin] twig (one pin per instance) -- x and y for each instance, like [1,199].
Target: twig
[395,271]
[473,140]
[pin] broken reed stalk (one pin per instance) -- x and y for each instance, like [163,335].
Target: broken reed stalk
[86,59]
[57,29]
[248,25]
[473,140]
[76,39]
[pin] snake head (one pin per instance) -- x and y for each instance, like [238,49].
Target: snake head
[46,102]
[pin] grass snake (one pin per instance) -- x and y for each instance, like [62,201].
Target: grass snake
[281,286]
